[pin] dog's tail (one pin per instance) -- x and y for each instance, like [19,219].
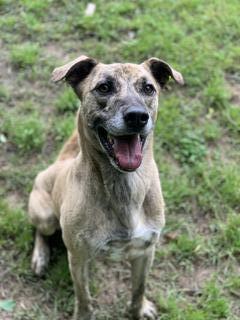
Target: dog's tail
[70,148]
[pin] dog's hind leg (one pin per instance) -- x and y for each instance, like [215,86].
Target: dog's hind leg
[42,217]
[41,254]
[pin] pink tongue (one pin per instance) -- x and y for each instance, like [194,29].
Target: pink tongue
[128,153]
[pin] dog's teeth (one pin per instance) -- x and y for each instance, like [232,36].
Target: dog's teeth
[110,139]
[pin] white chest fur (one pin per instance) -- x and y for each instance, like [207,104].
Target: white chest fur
[139,240]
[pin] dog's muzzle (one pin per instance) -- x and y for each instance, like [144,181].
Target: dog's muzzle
[123,137]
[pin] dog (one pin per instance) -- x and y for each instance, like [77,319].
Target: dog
[103,190]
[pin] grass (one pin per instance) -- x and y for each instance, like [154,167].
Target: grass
[19,233]
[67,101]
[64,128]
[24,55]
[229,235]
[196,148]
[210,305]
[4,94]
[25,132]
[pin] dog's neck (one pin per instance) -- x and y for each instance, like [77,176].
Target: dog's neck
[121,191]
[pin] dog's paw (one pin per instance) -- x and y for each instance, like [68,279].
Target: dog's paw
[146,311]
[84,313]
[84,316]
[40,260]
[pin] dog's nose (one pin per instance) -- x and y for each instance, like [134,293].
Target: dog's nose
[136,118]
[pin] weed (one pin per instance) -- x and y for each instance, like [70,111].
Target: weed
[31,23]
[216,187]
[177,135]
[67,101]
[212,131]
[171,123]
[38,6]
[15,229]
[176,190]
[186,248]
[8,22]
[233,285]
[26,132]
[232,119]
[64,127]
[24,55]
[211,305]
[215,94]
[20,179]
[213,302]
[228,238]
[191,148]
[4,94]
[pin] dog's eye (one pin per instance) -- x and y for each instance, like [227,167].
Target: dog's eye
[148,89]
[104,88]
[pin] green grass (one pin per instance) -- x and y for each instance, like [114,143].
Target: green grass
[64,128]
[24,55]
[67,101]
[228,238]
[18,234]
[210,305]
[25,132]
[196,145]
[4,94]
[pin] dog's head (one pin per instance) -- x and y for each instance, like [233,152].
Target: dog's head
[118,104]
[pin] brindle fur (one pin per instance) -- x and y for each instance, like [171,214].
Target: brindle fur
[98,207]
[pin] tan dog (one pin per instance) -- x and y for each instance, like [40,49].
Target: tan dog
[105,194]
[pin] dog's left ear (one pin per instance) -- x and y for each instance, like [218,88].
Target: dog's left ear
[162,71]
[74,71]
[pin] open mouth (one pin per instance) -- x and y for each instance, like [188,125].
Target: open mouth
[125,151]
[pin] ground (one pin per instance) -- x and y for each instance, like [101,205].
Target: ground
[196,273]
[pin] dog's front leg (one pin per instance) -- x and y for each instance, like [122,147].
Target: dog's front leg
[79,266]
[142,308]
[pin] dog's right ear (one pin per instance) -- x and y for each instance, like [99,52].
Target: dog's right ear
[162,71]
[74,71]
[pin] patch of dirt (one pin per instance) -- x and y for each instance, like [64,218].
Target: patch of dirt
[226,151]
[193,283]
[22,291]
[15,199]
[236,94]
[7,74]
[112,283]
[233,84]
[52,49]
[116,282]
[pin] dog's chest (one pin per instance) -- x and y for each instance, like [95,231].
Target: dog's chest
[132,244]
